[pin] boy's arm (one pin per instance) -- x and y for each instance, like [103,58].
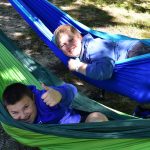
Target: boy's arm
[62,95]
[68,92]
[101,70]
[98,70]
[51,97]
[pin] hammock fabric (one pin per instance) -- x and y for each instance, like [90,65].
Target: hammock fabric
[124,130]
[130,77]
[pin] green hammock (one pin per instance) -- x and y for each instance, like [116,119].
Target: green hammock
[122,132]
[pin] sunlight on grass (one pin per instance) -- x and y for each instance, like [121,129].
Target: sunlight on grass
[77,82]
[5,4]
[130,17]
[126,17]
[17,34]
[129,23]
[126,30]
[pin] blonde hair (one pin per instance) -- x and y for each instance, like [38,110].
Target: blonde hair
[64,29]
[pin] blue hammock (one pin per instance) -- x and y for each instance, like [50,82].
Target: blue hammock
[130,77]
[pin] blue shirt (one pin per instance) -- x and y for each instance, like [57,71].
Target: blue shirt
[60,113]
[100,55]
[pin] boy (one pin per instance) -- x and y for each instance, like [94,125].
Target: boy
[96,57]
[50,105]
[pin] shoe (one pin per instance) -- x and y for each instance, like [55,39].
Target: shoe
[141,112]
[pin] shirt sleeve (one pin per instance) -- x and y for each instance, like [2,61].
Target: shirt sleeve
[101,69]
[68,92]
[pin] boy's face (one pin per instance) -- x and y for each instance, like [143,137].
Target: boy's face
[70,44]
[24,110]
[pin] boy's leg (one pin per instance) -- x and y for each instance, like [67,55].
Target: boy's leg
[96,117]
[138,49]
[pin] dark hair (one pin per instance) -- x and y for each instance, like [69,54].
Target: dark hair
[15,92]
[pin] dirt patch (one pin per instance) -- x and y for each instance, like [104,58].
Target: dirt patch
[18,30]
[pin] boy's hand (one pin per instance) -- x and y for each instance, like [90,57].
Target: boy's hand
[74,64]
[77,65]
[51,97]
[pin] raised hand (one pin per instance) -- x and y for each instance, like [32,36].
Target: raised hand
[74,64]
[77,65]
[51,97]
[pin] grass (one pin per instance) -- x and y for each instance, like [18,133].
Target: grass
[129,17]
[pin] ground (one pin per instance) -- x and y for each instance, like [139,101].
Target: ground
[18,30]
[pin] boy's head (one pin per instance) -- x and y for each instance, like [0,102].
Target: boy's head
[68,39]
[19,101]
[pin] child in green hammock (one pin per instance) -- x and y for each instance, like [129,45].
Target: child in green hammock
[50,105]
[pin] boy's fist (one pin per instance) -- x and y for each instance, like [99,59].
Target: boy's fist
[51,97]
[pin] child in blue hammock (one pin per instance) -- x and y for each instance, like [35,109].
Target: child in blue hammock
[50,105]
[94,57]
